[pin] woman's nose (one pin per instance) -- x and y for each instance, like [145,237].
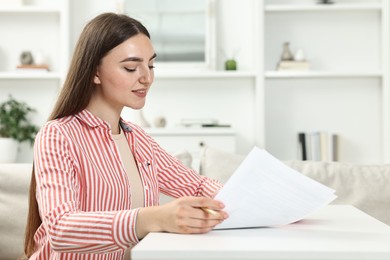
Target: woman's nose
[146,76]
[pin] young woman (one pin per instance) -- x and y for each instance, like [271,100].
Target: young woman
[96,180]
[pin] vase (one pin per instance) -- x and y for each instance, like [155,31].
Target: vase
[8,150]
[286,54]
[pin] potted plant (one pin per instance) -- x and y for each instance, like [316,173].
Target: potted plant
[15,128]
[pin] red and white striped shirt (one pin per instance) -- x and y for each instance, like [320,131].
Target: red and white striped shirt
[83,191]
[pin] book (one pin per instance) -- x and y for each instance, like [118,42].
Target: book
[315,146]
[293,65]
[302,146]
[32,68]
[333,147]
[201,122]
[318,146]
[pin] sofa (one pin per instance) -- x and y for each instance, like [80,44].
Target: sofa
[367,187]
[14,187]
[364,186]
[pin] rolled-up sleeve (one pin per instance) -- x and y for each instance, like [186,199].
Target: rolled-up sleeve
[59,192]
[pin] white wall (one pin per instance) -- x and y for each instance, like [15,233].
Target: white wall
[351,107]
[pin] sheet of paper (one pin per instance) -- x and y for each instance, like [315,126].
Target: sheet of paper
[265,192]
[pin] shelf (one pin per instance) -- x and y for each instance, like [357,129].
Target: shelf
[318,7]
[30,75]
[173,74]
[174,12]
[320,74]
[180,131]
[30,9]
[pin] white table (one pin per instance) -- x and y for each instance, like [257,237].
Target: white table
[334,232]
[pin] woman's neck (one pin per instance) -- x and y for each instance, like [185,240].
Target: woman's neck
[106,113]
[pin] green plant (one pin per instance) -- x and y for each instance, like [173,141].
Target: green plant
[14,122]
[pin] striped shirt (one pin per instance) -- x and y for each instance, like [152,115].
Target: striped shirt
[83,191]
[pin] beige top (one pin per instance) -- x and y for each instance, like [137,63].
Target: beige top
[136,187]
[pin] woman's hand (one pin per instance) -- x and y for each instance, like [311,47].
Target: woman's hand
[185,215]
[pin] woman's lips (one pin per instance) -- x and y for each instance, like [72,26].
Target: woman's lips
[140,93]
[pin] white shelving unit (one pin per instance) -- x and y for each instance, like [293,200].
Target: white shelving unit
[41,26]
[204,74]
[33,75]
[347,89]
[38,8]
[323,8]
[51,37]
[223,96]
[193,139]
[321,74]
[228,96]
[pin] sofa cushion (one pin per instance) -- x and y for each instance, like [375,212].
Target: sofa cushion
[363,186]
[14,187]
[217,164]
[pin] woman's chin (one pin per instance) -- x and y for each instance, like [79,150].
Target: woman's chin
[137,106]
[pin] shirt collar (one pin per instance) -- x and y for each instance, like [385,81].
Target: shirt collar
[94,121]
[125,126]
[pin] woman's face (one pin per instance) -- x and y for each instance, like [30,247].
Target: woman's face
[125,74]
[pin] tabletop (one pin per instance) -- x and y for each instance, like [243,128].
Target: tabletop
[333,232]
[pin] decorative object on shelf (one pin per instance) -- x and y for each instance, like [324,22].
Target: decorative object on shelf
[327,2]
[160,122]
[292,62]
[15,127]
[32,62]
[198,122]
[26,58]
[39,58]
[230,64]
[293,65]
[32,68]
[8,150]
[230,60]
[202,122]
[286,54]
[299,55]
[140,119]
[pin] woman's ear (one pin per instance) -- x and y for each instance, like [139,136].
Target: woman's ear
[96,79]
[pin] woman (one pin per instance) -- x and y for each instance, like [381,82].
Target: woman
[96,180]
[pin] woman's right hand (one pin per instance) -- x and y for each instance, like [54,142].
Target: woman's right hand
[184,215]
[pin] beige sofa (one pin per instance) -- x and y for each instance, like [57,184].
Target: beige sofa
[14,185]
[364,186]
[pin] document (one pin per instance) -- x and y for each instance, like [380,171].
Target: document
[264,192]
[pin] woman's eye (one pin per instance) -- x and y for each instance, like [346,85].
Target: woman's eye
[129,70]
[151,67]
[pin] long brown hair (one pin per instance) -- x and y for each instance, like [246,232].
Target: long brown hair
[100,35]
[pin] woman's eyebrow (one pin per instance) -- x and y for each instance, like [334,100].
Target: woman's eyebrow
[137,59]
[153,57]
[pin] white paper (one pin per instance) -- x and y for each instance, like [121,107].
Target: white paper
[265,192]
